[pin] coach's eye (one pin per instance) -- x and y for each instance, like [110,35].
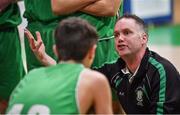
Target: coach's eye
[126,32]
[116,35]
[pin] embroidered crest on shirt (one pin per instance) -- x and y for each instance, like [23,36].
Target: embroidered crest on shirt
[139,96]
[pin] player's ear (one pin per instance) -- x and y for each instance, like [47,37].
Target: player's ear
[92,52]
[87,61]
[55,50]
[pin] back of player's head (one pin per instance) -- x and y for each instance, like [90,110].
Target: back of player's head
[74,37]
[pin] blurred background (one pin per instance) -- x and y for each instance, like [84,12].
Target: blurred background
[163,18]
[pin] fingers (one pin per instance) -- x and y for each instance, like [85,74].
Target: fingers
[28,34]
[31,39]
[39,40]
[39,45]
[38,35]
[32,44]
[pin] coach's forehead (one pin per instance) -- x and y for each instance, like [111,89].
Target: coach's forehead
[126,23]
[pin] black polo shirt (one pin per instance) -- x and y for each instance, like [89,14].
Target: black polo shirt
[155,87]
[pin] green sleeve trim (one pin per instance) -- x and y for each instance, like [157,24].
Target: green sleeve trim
[162,90]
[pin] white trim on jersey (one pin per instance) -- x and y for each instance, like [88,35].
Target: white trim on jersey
[76,89]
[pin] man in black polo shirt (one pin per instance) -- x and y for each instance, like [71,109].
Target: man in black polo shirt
[144,81]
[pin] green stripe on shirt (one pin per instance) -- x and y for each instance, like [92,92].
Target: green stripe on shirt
[162,90]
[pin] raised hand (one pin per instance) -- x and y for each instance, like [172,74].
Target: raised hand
[38,48]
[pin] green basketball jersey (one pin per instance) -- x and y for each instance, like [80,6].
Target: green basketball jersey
[11,67]
[40,10]
[41,18]
[47,90]
[10,17]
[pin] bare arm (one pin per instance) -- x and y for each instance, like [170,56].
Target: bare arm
[103,8]
[63,7]
[102,95]
[96,86]
[5,3]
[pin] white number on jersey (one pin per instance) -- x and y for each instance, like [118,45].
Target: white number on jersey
[34,110]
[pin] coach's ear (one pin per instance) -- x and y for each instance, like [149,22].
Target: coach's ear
[55,51]
[144,38]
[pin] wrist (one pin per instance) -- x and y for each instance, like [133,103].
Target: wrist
[47,60]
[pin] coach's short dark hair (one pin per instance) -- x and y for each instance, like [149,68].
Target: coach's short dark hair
[74,37]
[138,21]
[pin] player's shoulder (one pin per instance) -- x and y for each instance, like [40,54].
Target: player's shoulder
[94,77]
[36,72]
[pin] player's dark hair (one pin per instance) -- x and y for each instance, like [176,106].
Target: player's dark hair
[74,37]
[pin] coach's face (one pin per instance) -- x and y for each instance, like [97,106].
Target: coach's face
[128,37]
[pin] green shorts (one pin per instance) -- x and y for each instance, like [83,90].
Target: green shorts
[105,53]
[11,67]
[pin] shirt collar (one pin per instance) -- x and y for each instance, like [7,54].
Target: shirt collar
[130,75]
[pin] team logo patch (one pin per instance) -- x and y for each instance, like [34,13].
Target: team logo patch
[139,96]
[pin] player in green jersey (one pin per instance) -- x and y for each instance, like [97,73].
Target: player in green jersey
[11,66]
[68,87]
[100,13]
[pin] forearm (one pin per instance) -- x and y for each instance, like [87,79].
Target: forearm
[47,60]
[69,6]
[4,4]
[103,8]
